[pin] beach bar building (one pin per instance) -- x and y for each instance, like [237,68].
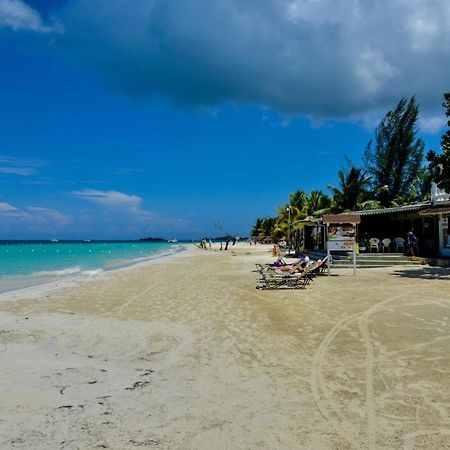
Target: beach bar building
[428,219]
[439,212]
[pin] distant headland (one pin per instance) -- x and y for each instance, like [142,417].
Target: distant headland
[152,239]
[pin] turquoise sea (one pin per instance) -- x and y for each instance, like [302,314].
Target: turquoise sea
[25,263]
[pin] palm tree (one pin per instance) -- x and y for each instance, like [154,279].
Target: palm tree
[353,192]
[299,199]
[317,202]
[287,215]
[263,227]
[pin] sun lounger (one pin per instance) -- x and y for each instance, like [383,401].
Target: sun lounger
[318,267]
[273,279]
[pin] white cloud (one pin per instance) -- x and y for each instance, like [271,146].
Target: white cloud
[45,215]
[374,71]
[17,15]
[110,199]
[22,171]
[32,220]
[122,214]
[6,207]
[432,124]
[19,166]
[118,205]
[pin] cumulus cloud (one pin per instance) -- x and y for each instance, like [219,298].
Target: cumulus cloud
[319,58]
[17,15]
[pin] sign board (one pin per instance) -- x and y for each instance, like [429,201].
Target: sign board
[344,246]
[341,234]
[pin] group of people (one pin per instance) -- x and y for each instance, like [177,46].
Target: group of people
[205,244]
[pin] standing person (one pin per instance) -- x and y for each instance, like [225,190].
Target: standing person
[411,240]
[305,258]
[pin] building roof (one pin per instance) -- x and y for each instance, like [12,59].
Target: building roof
[396,210]
[342,218]
[437,209]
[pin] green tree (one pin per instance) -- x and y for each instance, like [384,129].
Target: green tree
[396,156]
[263,227]
[439,165]
[299,199]
[353,192]
[419,191]
[317,201]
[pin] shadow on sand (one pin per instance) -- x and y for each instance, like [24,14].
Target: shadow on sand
[427,272]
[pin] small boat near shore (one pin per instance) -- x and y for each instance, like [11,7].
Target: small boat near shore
[173,240]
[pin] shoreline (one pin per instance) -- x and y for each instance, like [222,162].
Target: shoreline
[33,287]
[187,354]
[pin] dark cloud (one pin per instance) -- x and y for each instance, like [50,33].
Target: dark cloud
[319,58]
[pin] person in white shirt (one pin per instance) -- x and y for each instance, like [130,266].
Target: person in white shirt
[305,258]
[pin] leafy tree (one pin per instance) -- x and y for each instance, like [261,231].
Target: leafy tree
[299,199]
[263,227]
[353,192]
[287,215]
[439,165]
[396,156]
[419,191]
[317,202]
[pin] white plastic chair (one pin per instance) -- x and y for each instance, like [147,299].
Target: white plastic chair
[399,244]
[386,244]
[374,243]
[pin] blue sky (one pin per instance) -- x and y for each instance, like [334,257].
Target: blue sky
[161,118]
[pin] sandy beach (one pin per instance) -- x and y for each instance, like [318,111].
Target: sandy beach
[185,353]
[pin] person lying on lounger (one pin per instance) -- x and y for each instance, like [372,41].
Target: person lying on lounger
[279,262]
[292,268]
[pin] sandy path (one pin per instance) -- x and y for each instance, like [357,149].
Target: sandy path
[187,354]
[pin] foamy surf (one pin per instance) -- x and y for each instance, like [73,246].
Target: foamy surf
[52,261]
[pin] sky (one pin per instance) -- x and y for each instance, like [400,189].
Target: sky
[123,119]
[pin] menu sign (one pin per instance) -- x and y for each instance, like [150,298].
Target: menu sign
[341,237]
[341,234]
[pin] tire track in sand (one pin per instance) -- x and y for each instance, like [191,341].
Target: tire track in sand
[363,325]
[131,299]
[330,407]
[317,383]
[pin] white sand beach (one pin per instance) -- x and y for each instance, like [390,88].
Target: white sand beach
[185,353]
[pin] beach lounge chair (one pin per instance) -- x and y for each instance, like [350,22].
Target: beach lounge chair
[272,279]
[318,267]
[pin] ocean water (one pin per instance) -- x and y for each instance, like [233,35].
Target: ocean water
[24,263]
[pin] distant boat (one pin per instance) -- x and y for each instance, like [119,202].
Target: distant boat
[173,240]
[54,240]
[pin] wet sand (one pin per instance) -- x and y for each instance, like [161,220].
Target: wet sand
[185,353]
